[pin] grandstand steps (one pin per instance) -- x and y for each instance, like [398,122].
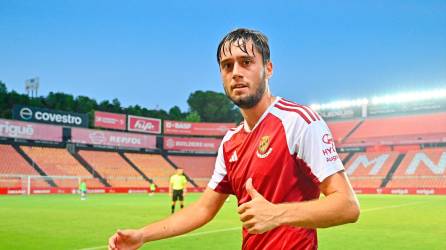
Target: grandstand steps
[33,164]
[352,131]
[135,167]
[88,167]
[392,170]
[349,156]
[191,181]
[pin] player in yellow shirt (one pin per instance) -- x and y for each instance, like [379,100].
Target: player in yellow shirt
[177,188]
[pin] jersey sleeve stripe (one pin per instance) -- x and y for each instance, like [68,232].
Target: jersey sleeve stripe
[292,104]
[295,110]
[317,115]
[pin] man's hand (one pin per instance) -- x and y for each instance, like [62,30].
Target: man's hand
[258,215]
[125,240]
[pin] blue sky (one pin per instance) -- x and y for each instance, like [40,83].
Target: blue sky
[157,53]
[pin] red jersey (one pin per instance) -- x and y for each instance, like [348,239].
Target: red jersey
[288,153]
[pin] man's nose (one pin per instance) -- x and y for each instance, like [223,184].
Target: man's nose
[236,71]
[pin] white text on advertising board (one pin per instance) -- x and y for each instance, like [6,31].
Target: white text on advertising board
[195,144]
[128,140]
[179,125]
[16,130]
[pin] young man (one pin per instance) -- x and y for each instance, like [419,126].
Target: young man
[277,162]
[177,188]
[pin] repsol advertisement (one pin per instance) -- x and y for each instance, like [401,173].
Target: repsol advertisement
[34,114]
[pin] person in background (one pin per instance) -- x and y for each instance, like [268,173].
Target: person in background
[177,188]
[83,189]
[152,188]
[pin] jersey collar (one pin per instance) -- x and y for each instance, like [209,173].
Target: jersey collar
[245,126]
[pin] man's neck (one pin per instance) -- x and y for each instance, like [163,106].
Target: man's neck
[252,115]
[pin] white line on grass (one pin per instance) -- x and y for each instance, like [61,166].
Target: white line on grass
[181,236]
[210,232]
[393,206]
[239,228]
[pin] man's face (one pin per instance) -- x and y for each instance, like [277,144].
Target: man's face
[244,75]
[179,171]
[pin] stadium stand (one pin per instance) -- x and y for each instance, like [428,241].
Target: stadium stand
[343,156]
[409,129]
[114,168]
[395,147]
[422,169]
[341,129]
[368,170]
[199,168]
[154,166]
[59,162]
[12,163]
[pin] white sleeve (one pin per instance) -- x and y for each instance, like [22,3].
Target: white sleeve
[219,181]
[316,147]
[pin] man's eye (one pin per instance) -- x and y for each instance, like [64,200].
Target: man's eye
[246,62]
[226,66]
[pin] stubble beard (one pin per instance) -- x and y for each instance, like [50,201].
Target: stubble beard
[250,100]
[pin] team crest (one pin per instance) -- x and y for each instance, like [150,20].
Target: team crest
[264,148]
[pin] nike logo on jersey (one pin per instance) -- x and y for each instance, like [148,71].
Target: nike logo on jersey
[234,157]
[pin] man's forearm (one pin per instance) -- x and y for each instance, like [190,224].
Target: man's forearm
[184,221]
[187,219]
[335,209]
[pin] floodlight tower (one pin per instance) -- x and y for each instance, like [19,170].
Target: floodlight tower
[32,86]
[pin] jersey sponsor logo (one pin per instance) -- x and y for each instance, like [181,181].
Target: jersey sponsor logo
[327,139]
[264,148]
[330,152]
[332,158]
[234,157]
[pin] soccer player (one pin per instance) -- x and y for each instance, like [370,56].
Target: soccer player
[152,188]
[83,189]
[277,162]
[177,188]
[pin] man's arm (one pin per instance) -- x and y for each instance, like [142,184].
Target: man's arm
[340,206]
[186,220]
[185,186]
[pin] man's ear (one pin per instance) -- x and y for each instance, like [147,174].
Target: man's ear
[269,69]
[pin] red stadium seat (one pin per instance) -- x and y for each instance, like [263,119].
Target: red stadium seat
[410,129]
[199,168]
[111,166]
[59,162]
[340,129]
[12,163]
[368,170]
[422,169]
[153,166]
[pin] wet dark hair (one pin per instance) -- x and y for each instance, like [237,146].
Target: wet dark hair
[240,37]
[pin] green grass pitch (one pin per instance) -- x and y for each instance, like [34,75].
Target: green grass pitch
[66,222]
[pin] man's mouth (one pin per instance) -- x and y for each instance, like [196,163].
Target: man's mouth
[239,86]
